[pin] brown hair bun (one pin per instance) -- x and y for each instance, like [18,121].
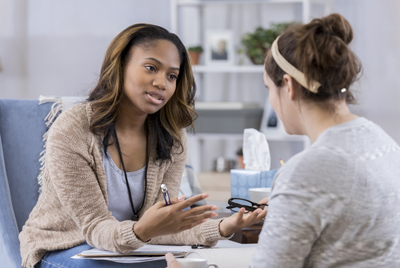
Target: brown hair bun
[320,50]
[336,25]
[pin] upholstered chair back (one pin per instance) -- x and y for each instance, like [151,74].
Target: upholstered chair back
[22,127]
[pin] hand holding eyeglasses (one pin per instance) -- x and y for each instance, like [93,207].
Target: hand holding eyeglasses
[249,213]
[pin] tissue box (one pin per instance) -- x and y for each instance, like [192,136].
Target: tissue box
[242,180]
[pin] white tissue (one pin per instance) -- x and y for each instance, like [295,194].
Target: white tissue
[256,155]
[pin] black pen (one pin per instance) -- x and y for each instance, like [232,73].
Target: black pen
[164,191]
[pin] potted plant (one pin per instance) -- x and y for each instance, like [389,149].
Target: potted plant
[194,54]
[257,43]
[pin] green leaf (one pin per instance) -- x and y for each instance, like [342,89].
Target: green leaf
[257,43]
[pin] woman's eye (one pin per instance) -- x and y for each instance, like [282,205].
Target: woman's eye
[173,77]
[150,68]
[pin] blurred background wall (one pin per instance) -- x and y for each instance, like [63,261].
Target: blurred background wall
[56,47]
[377,43]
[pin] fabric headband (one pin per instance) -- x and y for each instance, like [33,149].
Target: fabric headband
[291,70]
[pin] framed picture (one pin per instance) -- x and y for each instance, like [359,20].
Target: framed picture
[270,123]
[219,47]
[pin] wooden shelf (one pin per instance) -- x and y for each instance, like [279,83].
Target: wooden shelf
[228,68]
[217,185]
[231,105]
[235,2]
[273,136]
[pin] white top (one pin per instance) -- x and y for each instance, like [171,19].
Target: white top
[117,191]
[336,204]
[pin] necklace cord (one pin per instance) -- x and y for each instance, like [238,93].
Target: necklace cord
[147,164]
[126,177]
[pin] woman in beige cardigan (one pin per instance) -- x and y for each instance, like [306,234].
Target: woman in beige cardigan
[134,120]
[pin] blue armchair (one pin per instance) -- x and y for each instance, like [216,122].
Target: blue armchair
[21,140]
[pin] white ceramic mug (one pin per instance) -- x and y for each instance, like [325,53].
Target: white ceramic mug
[256,194]
[195,263]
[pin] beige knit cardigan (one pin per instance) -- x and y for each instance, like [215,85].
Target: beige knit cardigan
[73,207]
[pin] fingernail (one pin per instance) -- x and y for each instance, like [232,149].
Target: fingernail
[182,197]
[258,211]
[203,220]
[204,196]
[213,214]
[214,208]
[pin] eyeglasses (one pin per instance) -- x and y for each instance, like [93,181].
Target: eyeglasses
[235,204]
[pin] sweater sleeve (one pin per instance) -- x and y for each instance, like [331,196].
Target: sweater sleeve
[70,165]
[206,233]
[306,197]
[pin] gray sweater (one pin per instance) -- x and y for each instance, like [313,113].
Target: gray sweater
[336,204]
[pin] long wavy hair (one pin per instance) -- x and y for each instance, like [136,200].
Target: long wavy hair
[166,124]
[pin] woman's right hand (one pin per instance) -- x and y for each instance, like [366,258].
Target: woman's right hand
[163,220]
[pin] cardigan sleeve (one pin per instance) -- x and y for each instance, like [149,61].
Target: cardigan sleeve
[206,233]
[70,165]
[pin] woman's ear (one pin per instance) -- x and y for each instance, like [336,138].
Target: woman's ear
[290,86]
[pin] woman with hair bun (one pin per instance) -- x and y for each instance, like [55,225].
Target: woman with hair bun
[107,158]
[336,204]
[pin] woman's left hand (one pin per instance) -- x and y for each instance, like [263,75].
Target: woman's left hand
[240,220]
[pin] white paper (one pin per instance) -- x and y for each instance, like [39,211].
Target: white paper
[145,250]
[256,155]
[153,248]
[123,259]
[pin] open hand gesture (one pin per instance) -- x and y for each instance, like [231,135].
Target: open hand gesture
[241,219]
[163,220]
